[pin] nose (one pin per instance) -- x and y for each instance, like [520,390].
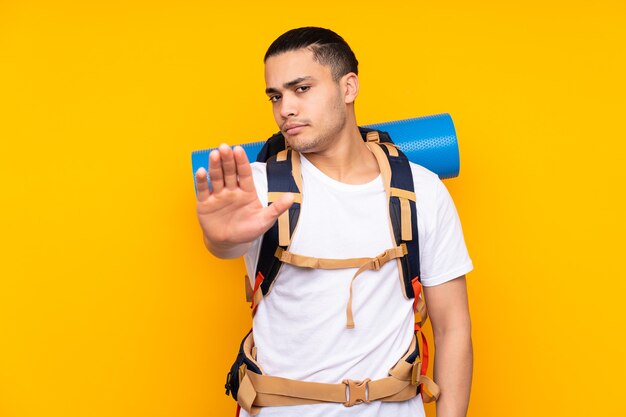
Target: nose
[288,107]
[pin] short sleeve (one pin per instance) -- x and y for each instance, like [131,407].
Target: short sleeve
[260,183]
[444,255]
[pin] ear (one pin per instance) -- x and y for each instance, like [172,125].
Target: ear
[350,84]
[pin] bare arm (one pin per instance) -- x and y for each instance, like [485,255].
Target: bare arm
[231,215]
[449,315]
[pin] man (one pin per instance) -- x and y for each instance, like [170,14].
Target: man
[300,328]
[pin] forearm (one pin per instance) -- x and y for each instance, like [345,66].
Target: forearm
[453,371]
[225,251]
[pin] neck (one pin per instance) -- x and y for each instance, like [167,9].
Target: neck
[348,159]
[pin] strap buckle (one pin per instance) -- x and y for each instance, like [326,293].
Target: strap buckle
[376,264]
[415,372]
[357,392]
[372,136]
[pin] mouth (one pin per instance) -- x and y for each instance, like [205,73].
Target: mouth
[293,129]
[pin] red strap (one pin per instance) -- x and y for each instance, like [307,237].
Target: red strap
[257,283]
[424,355]
[238,410]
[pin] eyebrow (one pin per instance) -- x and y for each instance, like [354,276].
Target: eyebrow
[288,84]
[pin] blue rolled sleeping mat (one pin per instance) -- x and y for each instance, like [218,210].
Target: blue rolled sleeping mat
[429,141]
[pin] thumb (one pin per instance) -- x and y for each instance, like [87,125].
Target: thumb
[278,207]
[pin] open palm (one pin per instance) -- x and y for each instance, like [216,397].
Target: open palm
[231,214]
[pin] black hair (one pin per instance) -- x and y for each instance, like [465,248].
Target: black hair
[328,48]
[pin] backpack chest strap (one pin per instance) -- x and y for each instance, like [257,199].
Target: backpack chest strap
[284,175]
[363,264]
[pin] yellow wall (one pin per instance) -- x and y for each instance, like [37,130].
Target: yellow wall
[109,304]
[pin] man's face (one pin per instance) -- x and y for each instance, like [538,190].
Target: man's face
[308,104]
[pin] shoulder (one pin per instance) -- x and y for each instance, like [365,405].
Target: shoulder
[260,180]
[443,253]
[423,176]
[258,169]
[428,187]
[436,210]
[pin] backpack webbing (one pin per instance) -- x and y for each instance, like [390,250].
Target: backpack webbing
[280,180]
[283,175]
[402,179]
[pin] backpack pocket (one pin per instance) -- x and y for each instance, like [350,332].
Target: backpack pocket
[236,373]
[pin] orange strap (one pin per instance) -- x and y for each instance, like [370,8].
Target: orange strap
[417,290]
[420,308]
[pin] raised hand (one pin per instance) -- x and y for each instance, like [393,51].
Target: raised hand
[231,215]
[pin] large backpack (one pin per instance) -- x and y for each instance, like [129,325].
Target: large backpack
[283,176]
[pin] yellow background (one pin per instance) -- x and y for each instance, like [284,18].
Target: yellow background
[109,303]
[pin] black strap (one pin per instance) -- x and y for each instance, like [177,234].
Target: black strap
[279,179]
[402,178]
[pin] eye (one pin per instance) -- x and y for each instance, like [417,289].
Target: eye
[274,98]
[303,88]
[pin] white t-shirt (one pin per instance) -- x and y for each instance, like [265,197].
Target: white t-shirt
[300,326]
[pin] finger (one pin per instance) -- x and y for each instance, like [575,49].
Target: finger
[228,166]
[278,207]
[215,171]
[244,171]
[202,184]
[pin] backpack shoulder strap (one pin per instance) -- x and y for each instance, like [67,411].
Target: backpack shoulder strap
[283,176]
[398,181]
[271,147]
